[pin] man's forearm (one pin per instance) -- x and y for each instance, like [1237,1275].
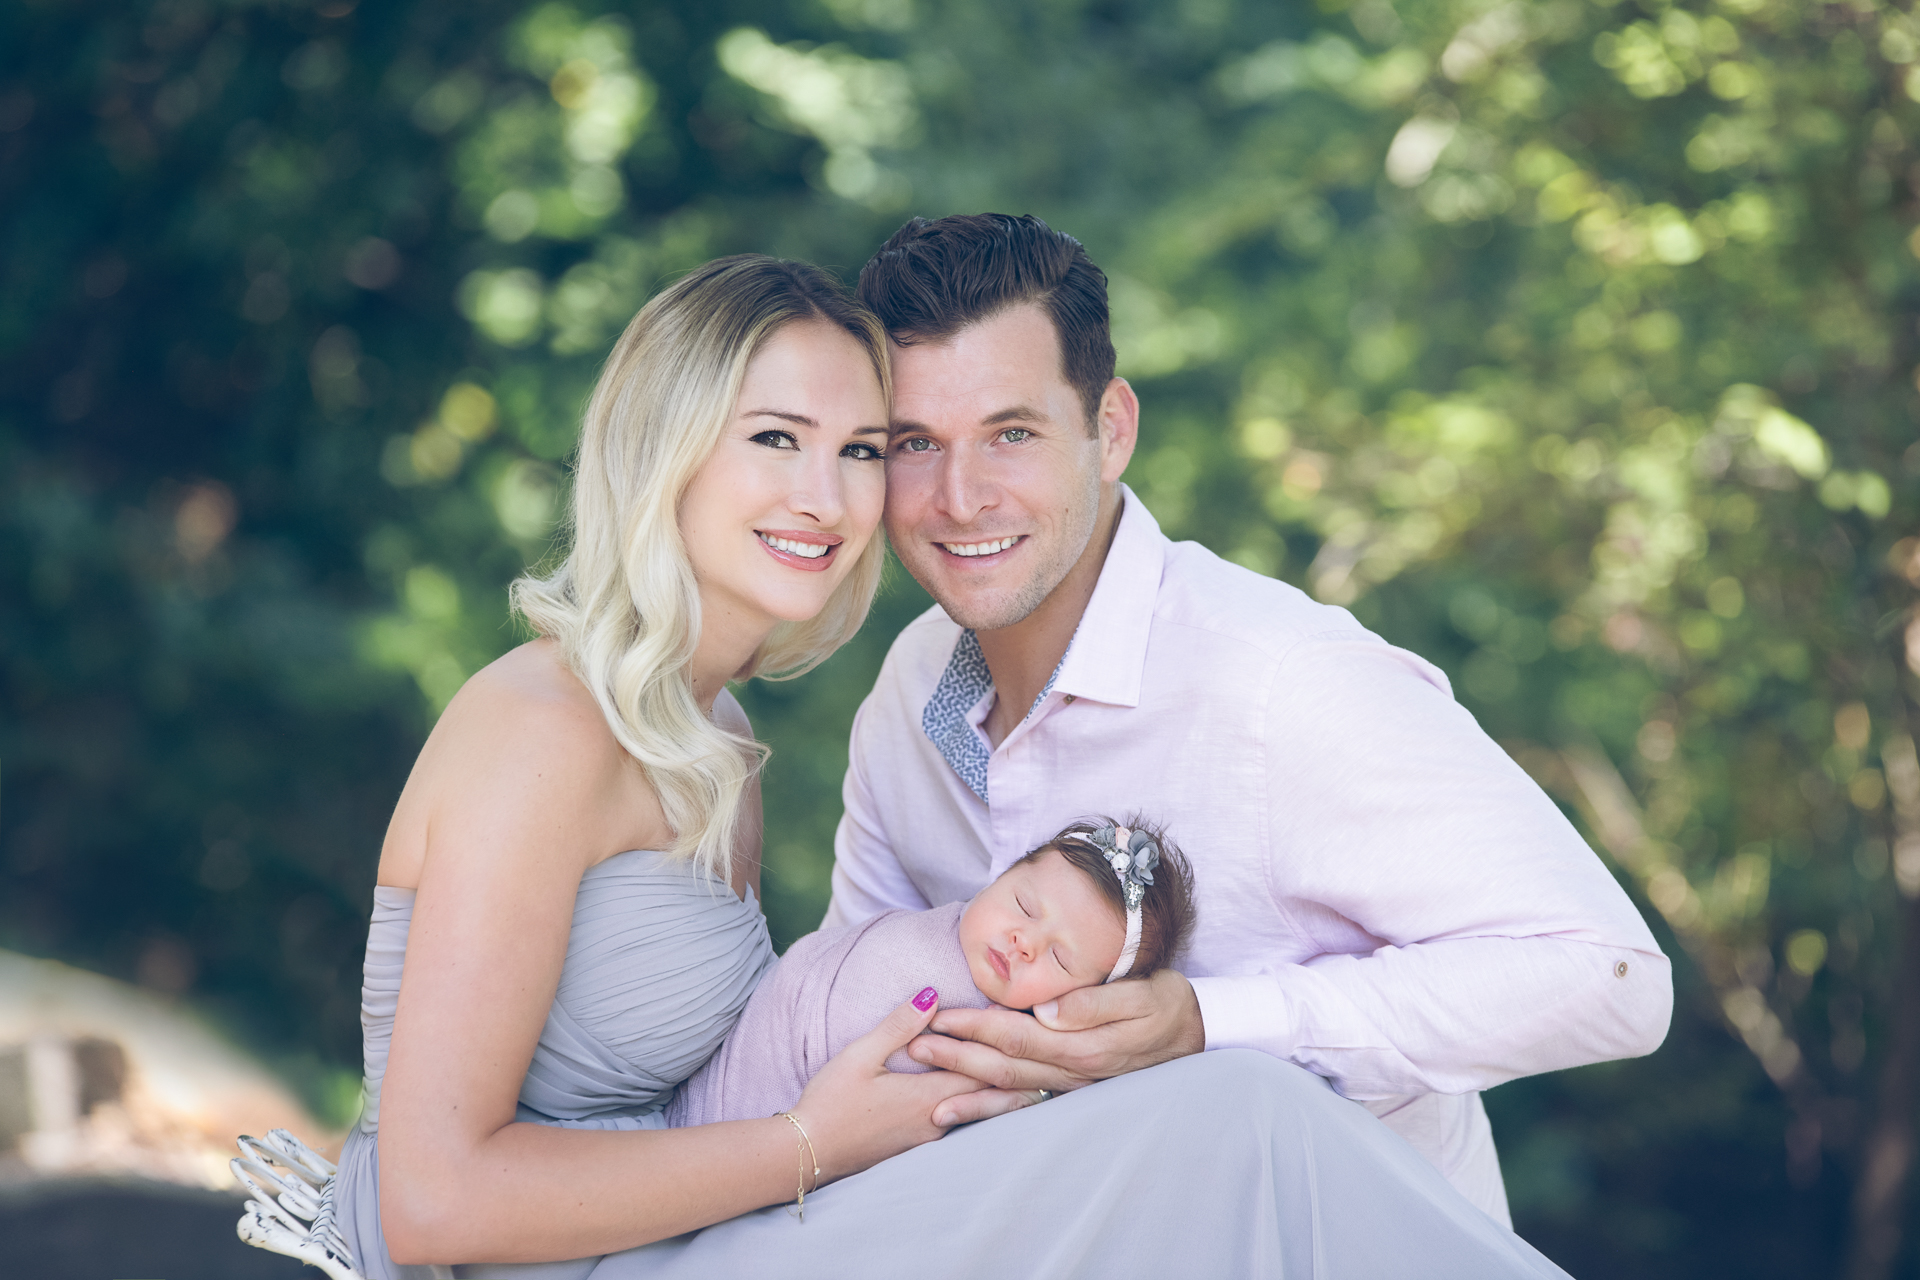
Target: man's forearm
[1446,1017]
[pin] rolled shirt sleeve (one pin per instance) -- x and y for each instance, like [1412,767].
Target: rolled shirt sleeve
[1471,935]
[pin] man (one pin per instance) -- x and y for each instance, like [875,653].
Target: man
[1384,898]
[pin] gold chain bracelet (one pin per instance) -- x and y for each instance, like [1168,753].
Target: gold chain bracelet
[807,1158]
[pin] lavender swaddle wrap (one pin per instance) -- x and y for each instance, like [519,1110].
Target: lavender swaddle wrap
[828,990]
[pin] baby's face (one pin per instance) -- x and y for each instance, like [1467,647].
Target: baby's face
[1038,932]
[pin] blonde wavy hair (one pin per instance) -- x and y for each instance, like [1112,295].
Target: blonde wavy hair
[624,606]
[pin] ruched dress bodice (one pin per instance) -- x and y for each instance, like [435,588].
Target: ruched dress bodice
[659,965]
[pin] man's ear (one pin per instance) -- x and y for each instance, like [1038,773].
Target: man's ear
[1119,424]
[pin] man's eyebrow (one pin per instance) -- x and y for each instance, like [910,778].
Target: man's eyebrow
[1013,413]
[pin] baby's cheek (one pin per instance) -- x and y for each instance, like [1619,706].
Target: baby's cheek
[1041,992]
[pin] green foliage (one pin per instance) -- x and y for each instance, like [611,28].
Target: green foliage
[1568,344]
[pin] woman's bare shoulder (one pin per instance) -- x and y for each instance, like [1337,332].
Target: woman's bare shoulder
[528,701]
[522,745]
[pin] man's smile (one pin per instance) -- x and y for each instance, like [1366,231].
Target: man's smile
[977,550]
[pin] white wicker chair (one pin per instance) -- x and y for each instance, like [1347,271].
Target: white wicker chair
[292,1212]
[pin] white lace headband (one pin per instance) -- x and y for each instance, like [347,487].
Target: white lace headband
[1133,855]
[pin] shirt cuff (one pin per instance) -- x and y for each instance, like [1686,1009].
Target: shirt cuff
[1247,1012]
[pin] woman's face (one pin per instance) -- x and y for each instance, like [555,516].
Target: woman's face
[1038,932]
[776,518]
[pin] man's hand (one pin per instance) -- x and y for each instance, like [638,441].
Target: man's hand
[1085,1035]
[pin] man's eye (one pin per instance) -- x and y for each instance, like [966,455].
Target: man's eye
[914,444]
[862,450]
[777,440]
[1014,435]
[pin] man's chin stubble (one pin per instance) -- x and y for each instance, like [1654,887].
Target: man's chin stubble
[995,614]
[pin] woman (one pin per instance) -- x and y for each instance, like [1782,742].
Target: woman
[560,979]
[727,490]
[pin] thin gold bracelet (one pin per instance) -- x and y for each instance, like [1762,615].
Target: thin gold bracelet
[799,1209]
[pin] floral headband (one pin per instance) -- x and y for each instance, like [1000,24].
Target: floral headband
[1133,855]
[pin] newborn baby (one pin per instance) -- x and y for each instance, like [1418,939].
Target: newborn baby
[1096,903]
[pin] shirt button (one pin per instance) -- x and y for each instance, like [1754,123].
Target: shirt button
[1620,970]
[1068,699]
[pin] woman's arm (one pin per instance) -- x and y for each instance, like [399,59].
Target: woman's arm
[519,791]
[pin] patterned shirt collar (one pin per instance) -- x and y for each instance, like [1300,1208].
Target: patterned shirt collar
[948,716]
[1104,661]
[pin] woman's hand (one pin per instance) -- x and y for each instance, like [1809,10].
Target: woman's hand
[857,1113]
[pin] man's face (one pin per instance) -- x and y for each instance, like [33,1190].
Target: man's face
[993,471]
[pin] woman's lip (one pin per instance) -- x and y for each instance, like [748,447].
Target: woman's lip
[814,536]
[817,564]
[999,963]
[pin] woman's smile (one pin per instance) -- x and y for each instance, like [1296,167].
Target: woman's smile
[800,549]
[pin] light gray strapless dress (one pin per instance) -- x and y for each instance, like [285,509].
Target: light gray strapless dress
[1225,1164]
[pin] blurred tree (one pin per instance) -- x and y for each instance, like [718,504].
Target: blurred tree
[262,481]
[1568,344]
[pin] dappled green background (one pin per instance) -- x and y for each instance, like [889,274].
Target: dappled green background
[1569,344]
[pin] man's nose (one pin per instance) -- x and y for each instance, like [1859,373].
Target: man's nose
[965,489]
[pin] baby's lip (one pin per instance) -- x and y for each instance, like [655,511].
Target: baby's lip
[999,963]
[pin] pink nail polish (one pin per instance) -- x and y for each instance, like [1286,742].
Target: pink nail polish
[924,1001]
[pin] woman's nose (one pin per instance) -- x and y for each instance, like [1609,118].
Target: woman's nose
[819,492]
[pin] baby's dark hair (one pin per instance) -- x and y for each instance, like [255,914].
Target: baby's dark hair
[1166,913]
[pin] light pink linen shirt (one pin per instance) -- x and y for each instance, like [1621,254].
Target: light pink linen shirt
[1383,896]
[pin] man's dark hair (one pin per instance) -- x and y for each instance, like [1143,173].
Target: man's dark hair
[935,278]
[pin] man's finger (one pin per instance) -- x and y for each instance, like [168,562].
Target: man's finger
[1086,1007]
[984,1105]
[1014,1034]
[1018,1036]
[941,1085]
[988,1065]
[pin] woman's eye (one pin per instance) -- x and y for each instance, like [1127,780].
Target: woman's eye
[777,440]
[862,450]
